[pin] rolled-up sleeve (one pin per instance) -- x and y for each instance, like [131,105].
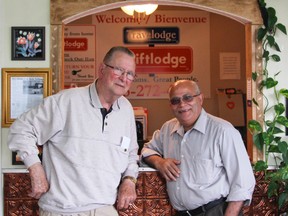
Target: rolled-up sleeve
[153,147]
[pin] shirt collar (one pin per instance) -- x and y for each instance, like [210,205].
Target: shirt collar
[94,98]
[200,124]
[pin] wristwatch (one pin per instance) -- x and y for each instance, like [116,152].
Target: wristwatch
[134,180]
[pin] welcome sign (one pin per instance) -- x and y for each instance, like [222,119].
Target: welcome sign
[169,46]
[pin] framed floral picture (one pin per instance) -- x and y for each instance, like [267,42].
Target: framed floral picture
[28,43]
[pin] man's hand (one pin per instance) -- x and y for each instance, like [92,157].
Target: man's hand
[126,194]
[39,182]
[168,167]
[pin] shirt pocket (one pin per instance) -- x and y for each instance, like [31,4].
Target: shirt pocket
[201,171]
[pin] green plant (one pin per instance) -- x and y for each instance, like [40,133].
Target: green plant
[268,134]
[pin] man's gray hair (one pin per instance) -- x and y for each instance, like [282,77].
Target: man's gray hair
[109,54]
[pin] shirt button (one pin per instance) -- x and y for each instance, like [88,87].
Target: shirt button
[178,188]
[182,156]
[106,123]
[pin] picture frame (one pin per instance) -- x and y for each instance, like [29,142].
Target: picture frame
[22,89]
[28,43]
[17,161]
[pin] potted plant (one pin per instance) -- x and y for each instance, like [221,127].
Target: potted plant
[268,133]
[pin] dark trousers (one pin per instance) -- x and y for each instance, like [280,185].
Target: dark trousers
[218,210]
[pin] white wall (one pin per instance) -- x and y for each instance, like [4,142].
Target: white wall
[282,66]
[282,39]
[15,13]
[19,13]
[1,63]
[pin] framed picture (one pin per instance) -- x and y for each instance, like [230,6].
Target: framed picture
[28,43]
[17,161]
[22,89]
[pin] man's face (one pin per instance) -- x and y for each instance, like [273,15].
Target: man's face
[110,72]
[186,108]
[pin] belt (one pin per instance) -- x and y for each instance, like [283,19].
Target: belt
[201,209]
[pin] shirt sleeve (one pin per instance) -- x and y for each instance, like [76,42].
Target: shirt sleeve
[238,167]
[153,147]
[133,168]
[34,127]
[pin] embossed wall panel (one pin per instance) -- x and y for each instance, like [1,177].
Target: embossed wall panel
[152,199]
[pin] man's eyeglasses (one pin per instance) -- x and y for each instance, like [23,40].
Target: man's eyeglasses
[185,98]
[120,71]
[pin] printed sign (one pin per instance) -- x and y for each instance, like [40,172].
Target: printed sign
[151,35]
[164,60]
[79,55]
[169,46]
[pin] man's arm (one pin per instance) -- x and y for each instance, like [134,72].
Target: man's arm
[234,208]
[126,194]
[168,167]
[39,181]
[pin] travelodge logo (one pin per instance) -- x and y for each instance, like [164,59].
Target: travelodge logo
[75,44]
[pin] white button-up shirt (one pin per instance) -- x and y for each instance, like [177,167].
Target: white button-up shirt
[214,162]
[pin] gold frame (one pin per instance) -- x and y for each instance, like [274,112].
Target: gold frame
[8,73]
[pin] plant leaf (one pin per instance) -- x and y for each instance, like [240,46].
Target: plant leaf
[260,166]
[258,141]
[269,123]
[254,76]
[282,199]
[282,146]
[255,102]
[271,40]
[261,34]
[265,54]
[272,189]
[276,46]
[284,92]
[274,130]
[282,120]
[279,108]
[281,27]
[276,58]
[262,3]
[255,126]
[274,149]
[285,158]
[271,12]
[272,19]
[267,137]
[270,83]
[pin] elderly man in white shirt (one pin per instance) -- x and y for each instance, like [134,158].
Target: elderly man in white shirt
[202,158]
[89,144]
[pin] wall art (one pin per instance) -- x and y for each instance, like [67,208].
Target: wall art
[28,43]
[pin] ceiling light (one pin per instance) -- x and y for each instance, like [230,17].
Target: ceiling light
[144,8]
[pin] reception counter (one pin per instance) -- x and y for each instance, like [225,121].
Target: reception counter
[151,199]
